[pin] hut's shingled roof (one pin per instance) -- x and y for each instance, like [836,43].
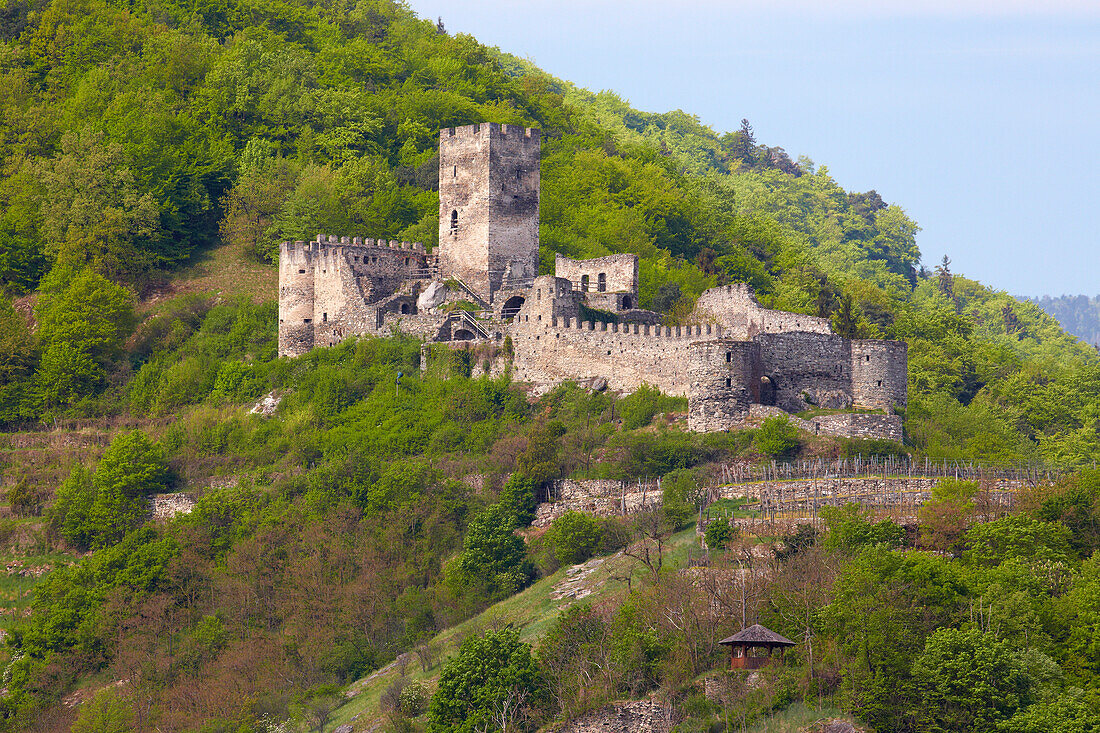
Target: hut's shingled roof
[757,634]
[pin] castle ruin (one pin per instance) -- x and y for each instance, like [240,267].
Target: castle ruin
[737,362]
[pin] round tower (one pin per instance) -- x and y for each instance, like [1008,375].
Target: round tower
[295,298]
[724,377]
[880,378]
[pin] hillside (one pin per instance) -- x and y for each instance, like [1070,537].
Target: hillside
[1077,314]
[154,154]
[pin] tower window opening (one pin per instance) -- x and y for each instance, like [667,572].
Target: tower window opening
[729,382]
[454,222]
[879,383]
[601,282]
[454,172]
[324,318]
[301,272]
[584,283]
[729,357]
[867,357]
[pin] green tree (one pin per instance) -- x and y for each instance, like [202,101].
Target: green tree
[969,681]
[493,555]
[850,528]
[518,498]
[83,322]
[93,213]
[96,509]
[493,683]
[132,468]
[945,517]
[1017,536]
[107,712]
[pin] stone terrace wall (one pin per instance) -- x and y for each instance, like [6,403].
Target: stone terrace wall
[735,307]
[642,716]
[626,355]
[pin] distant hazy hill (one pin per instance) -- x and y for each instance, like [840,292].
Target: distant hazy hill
[1078,314]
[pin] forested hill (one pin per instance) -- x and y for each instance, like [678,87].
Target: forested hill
[141,141]
[1077,314]
[137,135]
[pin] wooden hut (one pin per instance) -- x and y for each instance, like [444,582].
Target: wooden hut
[751,648]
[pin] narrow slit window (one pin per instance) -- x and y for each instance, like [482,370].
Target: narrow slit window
[454,222]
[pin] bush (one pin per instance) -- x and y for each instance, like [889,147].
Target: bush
[718,534]
[574,537]
[414,699]
[777,437]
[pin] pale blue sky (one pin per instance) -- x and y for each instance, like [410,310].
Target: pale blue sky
[979,118]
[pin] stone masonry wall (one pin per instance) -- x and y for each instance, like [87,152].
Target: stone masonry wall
[807,369]
[620,273]
[735,307]
[626,355]
[327,287]
[514,159]
[295,299]
[464,194]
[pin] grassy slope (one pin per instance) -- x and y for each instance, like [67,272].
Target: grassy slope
[532,611]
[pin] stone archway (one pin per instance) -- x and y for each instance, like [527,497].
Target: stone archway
[511,307]
[462,334]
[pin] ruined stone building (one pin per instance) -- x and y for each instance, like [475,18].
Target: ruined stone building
[737,361]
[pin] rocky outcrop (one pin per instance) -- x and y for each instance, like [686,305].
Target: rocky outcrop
[642,716]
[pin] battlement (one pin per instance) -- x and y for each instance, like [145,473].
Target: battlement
[326,241]
[489,129]
[692,333]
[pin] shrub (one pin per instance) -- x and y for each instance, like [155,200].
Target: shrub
[777,436]
[574,537]
[718,534]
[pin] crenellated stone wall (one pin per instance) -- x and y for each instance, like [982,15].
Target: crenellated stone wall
[626,355]
[327,287]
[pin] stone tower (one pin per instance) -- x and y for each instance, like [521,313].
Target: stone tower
[489,206]
[296,291]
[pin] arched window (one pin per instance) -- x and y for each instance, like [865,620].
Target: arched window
[584,283]
[601,282]
[454,222]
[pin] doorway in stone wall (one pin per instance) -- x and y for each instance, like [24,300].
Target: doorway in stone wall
[767,391]
[511,307]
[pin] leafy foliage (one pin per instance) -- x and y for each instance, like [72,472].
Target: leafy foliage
[493,680]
